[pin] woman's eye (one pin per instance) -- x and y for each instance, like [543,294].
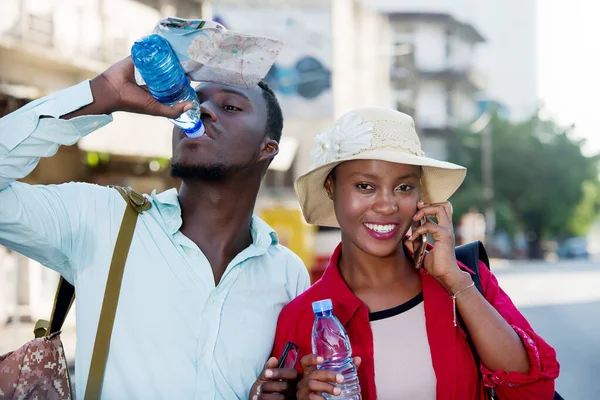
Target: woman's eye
[231,108]
[364,186]
[404,188]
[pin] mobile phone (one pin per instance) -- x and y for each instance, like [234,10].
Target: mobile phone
[420,245]
[289,357]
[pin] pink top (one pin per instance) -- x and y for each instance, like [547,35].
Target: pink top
[403,367]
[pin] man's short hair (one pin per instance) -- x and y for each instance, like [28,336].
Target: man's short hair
[274,113]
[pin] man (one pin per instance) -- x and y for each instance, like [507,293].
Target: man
[205,279]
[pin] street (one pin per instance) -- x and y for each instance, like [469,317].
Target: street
[562,302]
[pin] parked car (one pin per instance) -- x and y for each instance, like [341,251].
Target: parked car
[574,248]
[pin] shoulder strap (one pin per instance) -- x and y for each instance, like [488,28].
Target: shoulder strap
[65,292]
[136,203]
[470,254]
[65,295]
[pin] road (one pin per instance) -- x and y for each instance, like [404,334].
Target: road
[562,302]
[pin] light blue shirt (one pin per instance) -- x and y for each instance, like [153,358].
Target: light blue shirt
[176,334]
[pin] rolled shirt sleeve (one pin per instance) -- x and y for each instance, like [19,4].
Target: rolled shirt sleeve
[543,364]
[45,222]
[25,136]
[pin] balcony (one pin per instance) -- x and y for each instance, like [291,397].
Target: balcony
[81,37]
[451,75]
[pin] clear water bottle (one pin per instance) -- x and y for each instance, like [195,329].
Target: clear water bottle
[166,80]
[330,341]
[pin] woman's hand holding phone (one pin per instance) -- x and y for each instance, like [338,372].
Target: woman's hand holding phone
[440,261]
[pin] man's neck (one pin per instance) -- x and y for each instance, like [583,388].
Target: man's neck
[217,217]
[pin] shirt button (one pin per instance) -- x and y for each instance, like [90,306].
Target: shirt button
[96,124]
[203,353]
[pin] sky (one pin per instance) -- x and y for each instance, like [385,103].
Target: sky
[569,65]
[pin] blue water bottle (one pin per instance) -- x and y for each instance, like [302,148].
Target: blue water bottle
[166,80]
[330,341]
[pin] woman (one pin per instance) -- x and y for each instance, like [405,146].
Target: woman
[371,179]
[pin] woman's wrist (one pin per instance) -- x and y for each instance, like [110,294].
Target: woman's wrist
[456,281]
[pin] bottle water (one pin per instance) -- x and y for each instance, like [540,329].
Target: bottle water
[330,341]
[166,80]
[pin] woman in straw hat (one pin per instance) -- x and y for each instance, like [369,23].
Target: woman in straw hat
[371,179]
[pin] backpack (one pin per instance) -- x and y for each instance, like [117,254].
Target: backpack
[470,254]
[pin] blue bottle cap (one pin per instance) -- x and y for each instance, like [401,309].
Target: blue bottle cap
[196,131]
[322,306]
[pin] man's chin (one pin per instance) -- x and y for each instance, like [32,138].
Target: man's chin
[201,172]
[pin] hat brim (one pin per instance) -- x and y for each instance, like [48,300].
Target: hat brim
[439,181]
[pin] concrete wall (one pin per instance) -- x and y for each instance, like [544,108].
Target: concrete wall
[431,105]
[432,110]
[430,43]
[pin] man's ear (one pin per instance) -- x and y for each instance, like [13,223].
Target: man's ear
[269,150]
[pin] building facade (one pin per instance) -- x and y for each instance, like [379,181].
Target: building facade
[433,77]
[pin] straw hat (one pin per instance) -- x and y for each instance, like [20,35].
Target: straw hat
[371,134]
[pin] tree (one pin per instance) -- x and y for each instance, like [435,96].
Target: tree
[539,177]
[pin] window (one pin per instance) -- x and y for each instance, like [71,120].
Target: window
[448,49]
[449,105]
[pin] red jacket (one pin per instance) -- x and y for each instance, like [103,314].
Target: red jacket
[453,362]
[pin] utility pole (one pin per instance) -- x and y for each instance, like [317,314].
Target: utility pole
[487,175]
[483,126]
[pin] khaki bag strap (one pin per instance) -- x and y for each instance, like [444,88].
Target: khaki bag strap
[136,203]
[63,300]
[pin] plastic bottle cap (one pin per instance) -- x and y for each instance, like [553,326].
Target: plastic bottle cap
[322,306]
[193,134]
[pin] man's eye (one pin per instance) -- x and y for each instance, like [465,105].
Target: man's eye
[232,108]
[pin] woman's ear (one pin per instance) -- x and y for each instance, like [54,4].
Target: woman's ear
[329,186]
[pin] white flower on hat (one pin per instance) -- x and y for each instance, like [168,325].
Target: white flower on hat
[347,137]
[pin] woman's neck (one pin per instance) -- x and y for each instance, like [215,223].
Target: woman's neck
[380,282]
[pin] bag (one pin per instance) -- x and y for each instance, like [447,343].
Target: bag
[39,368]
[470,254]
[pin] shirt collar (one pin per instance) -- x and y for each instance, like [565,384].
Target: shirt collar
[167,204]
[345,302]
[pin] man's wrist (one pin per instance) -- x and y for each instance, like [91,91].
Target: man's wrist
[104,95]
[102,100]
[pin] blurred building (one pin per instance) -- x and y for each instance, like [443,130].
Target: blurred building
[509,58]
[48,45]
[433,76]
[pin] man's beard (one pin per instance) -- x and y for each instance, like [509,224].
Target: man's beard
[213,173]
